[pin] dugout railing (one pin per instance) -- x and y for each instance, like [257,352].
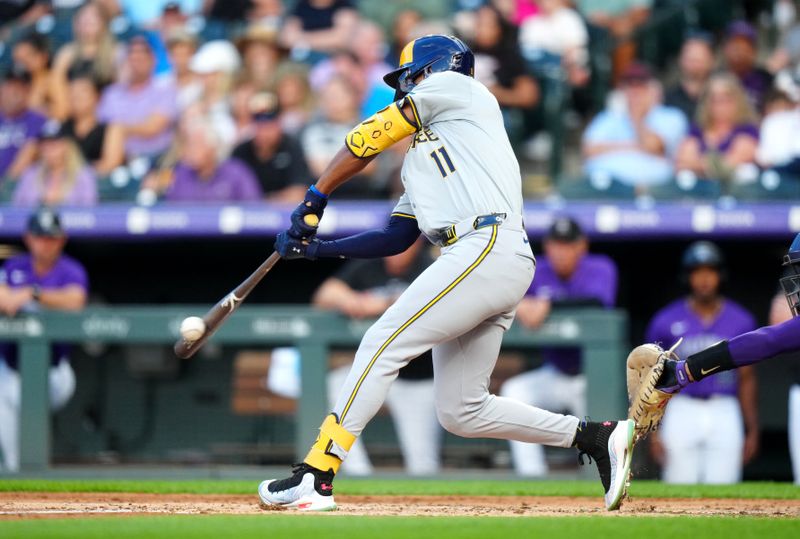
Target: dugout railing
[601,334]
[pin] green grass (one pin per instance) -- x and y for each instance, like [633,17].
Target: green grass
[326,526]
[282,526]
[642,489]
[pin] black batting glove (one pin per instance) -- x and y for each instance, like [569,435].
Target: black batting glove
[305,218]
[291,248]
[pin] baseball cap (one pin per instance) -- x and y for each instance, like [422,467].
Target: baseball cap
[741,29]
[636,72]
[264,107]
[45,222]
[141,38]
[565,229]
[217,55]
[172,7]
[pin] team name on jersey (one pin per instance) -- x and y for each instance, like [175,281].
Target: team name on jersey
[422,136]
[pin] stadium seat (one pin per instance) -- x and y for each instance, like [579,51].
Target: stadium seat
[7,188]
[674,190]
[770,186]
[587,189]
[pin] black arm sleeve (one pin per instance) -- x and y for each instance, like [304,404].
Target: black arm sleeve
[398,235]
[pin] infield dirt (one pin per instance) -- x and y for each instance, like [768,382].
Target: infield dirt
[34,505]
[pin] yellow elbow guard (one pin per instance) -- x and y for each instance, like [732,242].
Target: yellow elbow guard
[331,446]
[379,131]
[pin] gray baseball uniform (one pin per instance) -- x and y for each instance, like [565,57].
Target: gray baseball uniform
[459,166]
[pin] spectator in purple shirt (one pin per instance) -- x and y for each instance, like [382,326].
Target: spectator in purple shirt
[19,126]
[711,427]
[725,136]
[60,177]
[203,175]
[566,276]
[43,278]
[740,51]
[146,108]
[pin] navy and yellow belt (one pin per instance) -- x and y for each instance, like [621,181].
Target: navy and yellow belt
[451,234]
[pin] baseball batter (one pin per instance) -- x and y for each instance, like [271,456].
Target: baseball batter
[463,191]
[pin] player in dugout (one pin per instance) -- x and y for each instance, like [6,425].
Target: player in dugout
[665,374]
[711,429]
[463,190]
[42,278]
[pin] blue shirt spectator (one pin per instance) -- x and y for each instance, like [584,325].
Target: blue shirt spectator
[142,14]
[634,140]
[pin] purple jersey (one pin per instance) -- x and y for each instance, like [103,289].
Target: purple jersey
[15,133]
[677,320]
[595,278]
[31,188]
[232,181]
[722,146]
[123,105]
[18,272]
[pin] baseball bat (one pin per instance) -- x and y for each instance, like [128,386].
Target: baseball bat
[219,313]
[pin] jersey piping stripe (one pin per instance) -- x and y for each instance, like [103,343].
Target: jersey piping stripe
[406,215]
[414,110]
[419,313]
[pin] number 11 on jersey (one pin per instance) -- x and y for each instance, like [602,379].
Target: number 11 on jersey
[445,160]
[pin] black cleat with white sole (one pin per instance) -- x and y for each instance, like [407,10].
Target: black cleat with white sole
[610,445]
[307,489]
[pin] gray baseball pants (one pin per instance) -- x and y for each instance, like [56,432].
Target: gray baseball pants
[460,307]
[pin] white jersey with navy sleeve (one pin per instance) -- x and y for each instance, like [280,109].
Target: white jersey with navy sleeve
[460,163]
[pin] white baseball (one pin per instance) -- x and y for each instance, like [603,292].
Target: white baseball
[192,328]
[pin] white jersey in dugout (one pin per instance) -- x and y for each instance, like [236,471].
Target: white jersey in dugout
[460,163]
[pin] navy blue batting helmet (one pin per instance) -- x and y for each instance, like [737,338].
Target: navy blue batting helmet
[430,54]
[791,282]
[702,253]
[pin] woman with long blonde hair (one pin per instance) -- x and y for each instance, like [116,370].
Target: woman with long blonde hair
[60,177]
[93,50]
[725,135]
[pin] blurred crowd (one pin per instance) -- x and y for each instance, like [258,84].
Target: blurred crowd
[246,100]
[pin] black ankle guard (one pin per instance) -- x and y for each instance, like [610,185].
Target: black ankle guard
[589,432]
[710,361]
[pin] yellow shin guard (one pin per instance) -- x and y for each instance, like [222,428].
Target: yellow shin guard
[330,432]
